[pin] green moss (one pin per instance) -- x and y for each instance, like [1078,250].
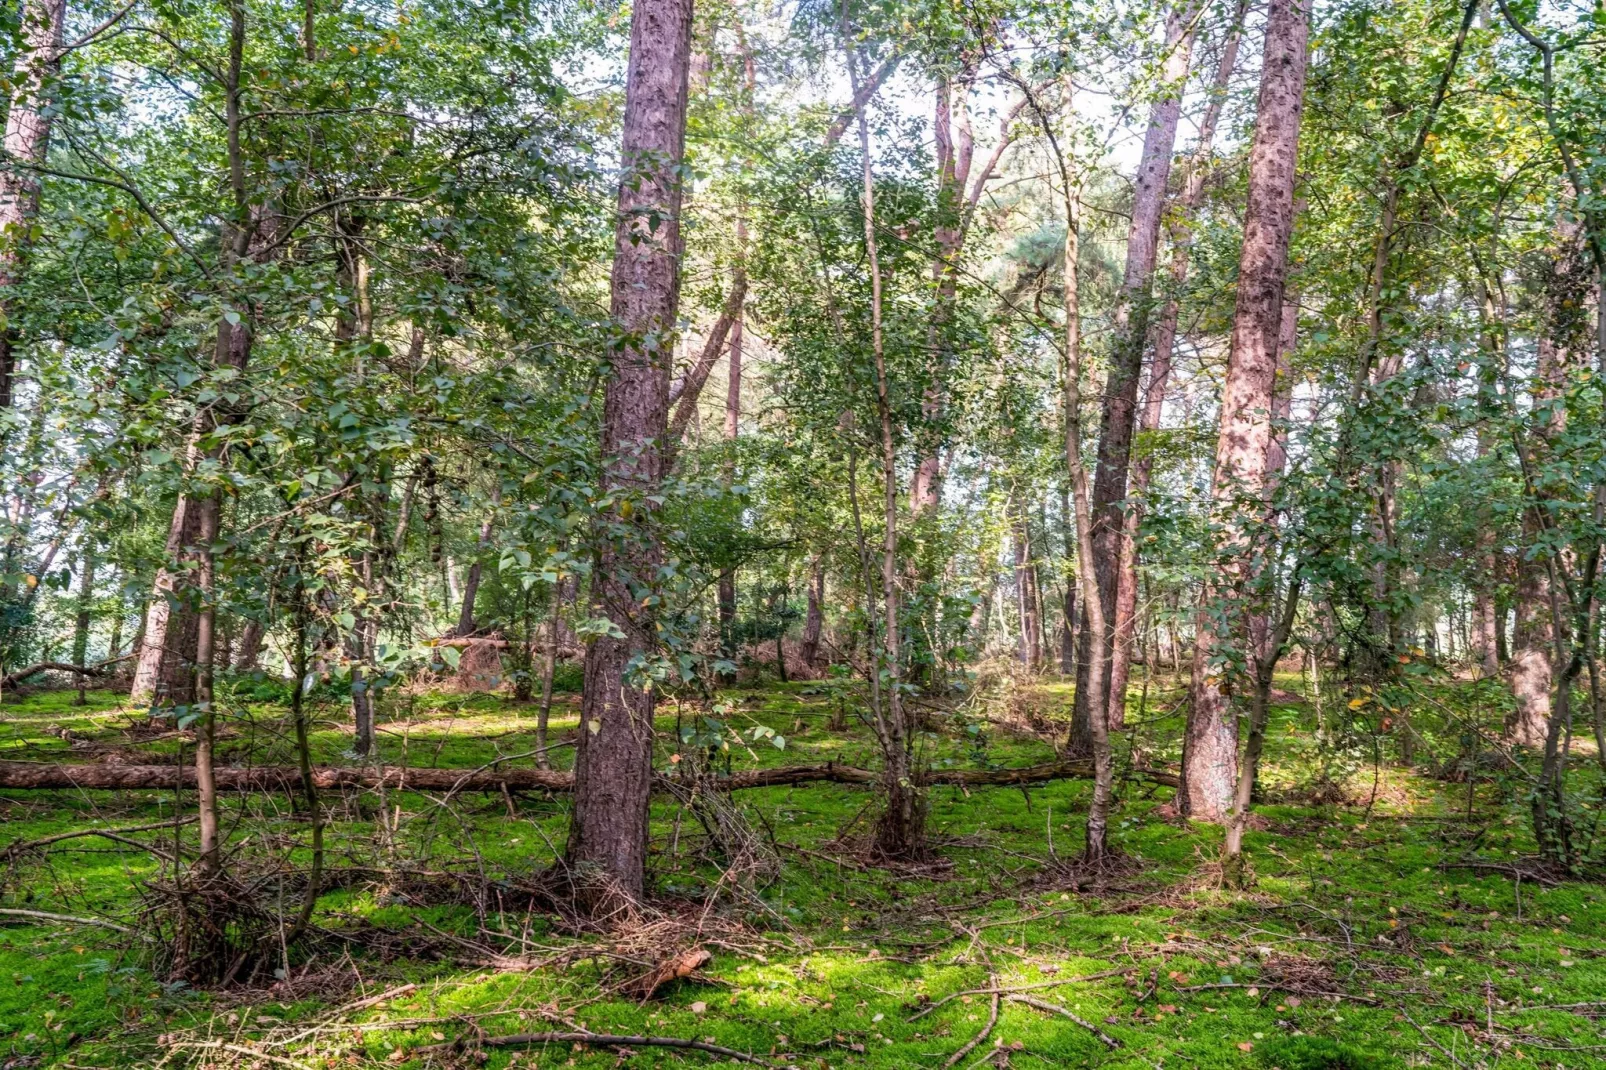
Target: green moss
[1360,916]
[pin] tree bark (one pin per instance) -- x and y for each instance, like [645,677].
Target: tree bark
[27,141]
[471,585]
[1031,632]
[250,646]
[167,648]
[164,674]
[814,618]
[1118,418]
[1210,743]
[607,846]
[1165,335]
[84,616]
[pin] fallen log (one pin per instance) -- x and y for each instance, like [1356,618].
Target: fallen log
[45,776]
[97,669]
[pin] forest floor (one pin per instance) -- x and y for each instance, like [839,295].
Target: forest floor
[1396,921]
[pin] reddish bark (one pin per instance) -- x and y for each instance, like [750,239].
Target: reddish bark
[1118,418]
[27,140]
[1210,739]
[613,764]
[1165,335]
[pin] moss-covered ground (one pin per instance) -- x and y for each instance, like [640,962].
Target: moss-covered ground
[1395,921]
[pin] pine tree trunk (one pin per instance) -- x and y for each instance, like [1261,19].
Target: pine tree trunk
[162,673]
[27,141]
[1118,419]
[1165,334]
[1210,743]
[607,848]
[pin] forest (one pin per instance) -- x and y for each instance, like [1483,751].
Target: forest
[940,534]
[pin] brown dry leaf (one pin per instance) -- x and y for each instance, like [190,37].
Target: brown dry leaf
[673,969]
[1245,1046]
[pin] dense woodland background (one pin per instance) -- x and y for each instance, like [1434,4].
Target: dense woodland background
[1197,407]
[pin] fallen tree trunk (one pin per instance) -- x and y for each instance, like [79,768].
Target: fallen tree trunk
[97,669]
[45,776]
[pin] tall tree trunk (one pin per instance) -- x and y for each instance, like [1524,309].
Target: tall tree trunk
[471,585]
[814,618]
[1081,515]
[27,140]
[206,862]
[613,762]
[1165,335]
[1031,632]
[250,646]
[1119,416]
[1210,739]
[900,832]
[167,659]
[162,673]
[84,616]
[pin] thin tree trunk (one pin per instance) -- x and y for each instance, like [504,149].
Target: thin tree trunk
[607,849]
[900,831]
[549,666]
[81,622]
[814,618]
[27,141]
[1081,515]
[1031,632]
[1210,744]
[1068,618]
[206,862]
[1165,334]
[1263,667]
[471,586]
[1118,419]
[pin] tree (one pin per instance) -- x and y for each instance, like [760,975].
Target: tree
[1119,416]
[613,762]
[1210,742]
